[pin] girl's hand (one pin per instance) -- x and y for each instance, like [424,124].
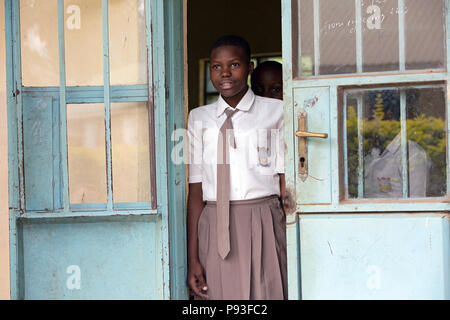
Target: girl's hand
[196,280]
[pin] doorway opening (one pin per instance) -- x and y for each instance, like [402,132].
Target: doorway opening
[259,22]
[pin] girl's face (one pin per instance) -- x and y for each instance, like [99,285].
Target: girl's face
[268,83]
[229,72]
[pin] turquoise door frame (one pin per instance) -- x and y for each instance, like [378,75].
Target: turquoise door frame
[59,251]
[340,249]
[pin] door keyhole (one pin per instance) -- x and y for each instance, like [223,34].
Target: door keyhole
[302,162]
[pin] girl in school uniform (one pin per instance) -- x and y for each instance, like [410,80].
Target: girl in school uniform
[236,226]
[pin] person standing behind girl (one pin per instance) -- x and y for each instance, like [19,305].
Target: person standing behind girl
[267,81]
[236,226]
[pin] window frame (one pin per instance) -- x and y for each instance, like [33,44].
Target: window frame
[66,95]
[336,85]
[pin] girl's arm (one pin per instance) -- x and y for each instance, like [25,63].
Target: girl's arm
[196,279]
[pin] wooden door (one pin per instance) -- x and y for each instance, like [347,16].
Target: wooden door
[368,216]
[92,185]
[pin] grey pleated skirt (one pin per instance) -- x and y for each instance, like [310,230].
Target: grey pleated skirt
[256,267]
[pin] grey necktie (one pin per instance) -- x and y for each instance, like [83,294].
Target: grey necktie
[223,185]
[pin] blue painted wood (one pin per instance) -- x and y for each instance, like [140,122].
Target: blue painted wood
[13,173]
[176,173]
[345,146]
[293,255]
[337,248]
[38,153]
[375,256]
[446,258]
[95,94]
[107,104]
[371,78]
[334,138]
[416,205]
[404,144]
[111,260]
[13,167]
[149,252]
[160,111]
[56,146]
[18,88]
[360,147]
[88,214]
[63,108]
[315,102]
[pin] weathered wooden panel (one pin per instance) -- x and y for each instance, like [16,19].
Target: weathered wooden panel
[315,102]
[38,152]
[92,260]
[375,256]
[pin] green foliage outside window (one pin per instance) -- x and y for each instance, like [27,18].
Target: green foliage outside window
[426,131]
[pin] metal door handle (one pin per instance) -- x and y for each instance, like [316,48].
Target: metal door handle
[303,134]
[306,134]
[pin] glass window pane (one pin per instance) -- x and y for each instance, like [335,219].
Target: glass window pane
[39,43]
[127,42]
[130,152]
[86,153]
[84,42]
[380,35]
[374,150]
[425,34]
[328,38]
[382,152]
[426,127]
[376,130]
[325,42]
[337,52]
[307,38]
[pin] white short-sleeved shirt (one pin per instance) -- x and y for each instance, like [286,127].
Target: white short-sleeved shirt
[259,155]
[383,173]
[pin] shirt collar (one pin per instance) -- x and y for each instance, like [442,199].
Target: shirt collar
[244,105]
